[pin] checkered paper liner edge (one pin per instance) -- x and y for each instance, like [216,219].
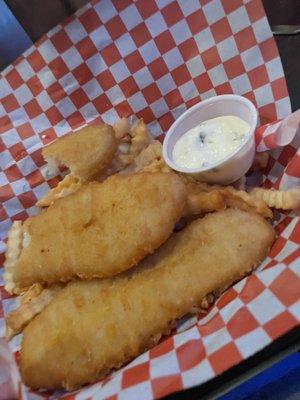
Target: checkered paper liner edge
[153,60]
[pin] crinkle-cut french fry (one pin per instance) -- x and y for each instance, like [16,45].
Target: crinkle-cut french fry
[32,303]
[140,137]
[280,199]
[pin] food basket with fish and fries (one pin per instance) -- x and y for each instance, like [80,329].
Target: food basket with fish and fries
[125,278]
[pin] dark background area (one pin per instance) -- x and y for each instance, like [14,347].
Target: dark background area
[37,17]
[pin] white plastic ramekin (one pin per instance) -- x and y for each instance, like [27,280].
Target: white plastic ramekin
[238,163]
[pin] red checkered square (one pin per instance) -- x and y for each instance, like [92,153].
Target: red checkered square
[36,61]
[241,323]
[258,76]
[279,88]
[134,61]
[252,289]
[213,325]
[292,168]
[61,41]
[232,5]
[34,85]
[165,42]
[220,359]
[121,4]
[90,20]
[245,39]
[268,49]
[158,68]
[221,30]
[211,58]
[82,73]
[35,178]
[196,21]
[188,49]
[190,354]
[181,75]
[79,98]
[146,8]
[110,54]
[165,385]
[54,116]
[33,108]
[13,173]
[173,98]
[129,86]
[255,11]
[106,80]
[6,193]
[280,324]
[5,124]
[115,27]
[56,92]
[102,103]
[151,93]
[234,67]
[172,13]
[86,48]
[14,79]
[287,279]
[137,374]
[9,103]
[140,34]
[18,151]
[28,199]
[25,131]
[162,348]
[203,82]
[75,120]
[58,67]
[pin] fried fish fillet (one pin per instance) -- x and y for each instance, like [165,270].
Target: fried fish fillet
[93,326]
[87,153]
[98,231]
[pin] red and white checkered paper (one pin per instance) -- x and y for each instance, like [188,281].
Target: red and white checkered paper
[153,59]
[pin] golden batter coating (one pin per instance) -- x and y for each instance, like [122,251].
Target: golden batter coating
[87,152]
[98,231]
[93,326]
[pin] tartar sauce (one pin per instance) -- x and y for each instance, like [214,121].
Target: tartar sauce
[210,142]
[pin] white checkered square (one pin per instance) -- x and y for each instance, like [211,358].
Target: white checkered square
[106,10]
[48,51]
[173,59]
[164,365]
[216,340]
[257,306]
[213,11]
[156,24]
[201,373]
[149,52]
[125,45]
[264,95]
[252,342]
[131,17]
[75,31]
[180,32]
[252,58]
[238,19]
[100,37]
[143,78]
[204,39]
